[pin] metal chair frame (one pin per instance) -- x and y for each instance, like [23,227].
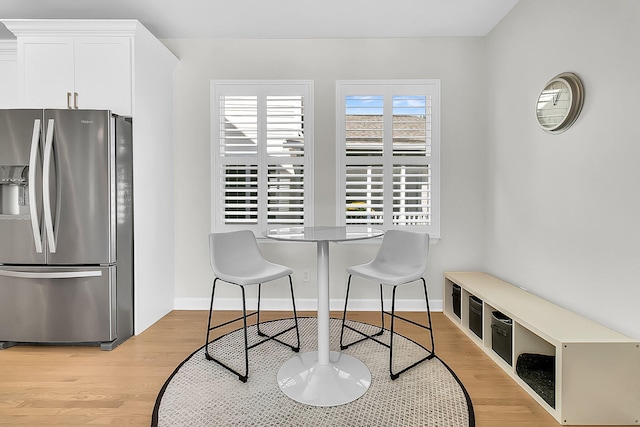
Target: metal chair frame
[244,317]
[393,315]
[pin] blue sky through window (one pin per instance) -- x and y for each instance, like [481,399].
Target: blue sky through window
[373,105]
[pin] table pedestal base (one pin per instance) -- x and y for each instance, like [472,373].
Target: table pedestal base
[341,381]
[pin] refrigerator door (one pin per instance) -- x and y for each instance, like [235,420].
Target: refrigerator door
[57,304]
[79,187]
[21,215]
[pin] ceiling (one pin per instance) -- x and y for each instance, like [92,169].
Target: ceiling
[169,19]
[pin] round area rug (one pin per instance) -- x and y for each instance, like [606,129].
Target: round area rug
[202,393]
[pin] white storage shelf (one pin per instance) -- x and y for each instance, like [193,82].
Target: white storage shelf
[597,370]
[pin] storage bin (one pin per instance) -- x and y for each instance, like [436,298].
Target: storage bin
[501,332]
[475,315]
[539,372]
[456,295]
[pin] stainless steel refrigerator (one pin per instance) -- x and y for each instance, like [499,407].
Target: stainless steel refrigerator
[66,227]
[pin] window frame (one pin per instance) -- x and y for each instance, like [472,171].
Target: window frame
[390,88]
[260,88]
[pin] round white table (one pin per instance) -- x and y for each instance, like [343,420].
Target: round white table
[323,377]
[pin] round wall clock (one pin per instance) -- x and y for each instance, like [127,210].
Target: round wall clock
[560,102]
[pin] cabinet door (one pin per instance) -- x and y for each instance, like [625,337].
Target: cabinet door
[103,73]
[9,74]
[46,71]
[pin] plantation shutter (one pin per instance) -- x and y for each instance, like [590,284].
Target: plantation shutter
[261,141]
[286,154]
[411,142]
[238,152]
[389,154]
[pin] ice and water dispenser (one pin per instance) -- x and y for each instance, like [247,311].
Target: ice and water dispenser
[14,190]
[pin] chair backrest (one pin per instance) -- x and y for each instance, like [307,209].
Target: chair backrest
[404,251]
[232,252]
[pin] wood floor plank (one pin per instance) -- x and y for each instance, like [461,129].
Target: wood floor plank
[75,385]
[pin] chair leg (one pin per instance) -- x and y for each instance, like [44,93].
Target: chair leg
[392,314]
[295,348]
[426,298]
[429,327]
[295,315]
[244,377]
[208,356]
[262,334]
[344,325]
[244,317]
[381,309]
[344,314]
[206,342]
[393,318]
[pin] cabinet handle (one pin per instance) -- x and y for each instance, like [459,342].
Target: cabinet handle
[69,100]
[46,186]
[75,100]
[50,275]
[33,209]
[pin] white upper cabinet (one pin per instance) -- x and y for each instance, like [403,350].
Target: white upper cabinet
[103,73]
[8,74]
[61,66]
[45,71]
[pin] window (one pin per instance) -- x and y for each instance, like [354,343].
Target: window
[262,139]
[389,154]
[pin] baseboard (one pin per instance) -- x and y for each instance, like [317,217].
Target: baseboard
[305,304]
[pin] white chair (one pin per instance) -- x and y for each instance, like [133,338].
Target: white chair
[402,259]
[236,259]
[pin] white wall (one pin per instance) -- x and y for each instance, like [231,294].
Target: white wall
[458,62]
[563,210]
[556,214]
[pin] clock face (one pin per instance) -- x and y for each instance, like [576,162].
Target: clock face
[560,102]
[554,104]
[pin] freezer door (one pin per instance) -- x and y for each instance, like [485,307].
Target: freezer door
[79,187]
[57,305]
[21,216]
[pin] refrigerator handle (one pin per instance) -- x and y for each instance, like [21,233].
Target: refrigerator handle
[50,275]
[33,207]
[46,186]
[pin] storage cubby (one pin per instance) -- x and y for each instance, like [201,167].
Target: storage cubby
[475,316]
[456,295]
[502,336]
[579,371]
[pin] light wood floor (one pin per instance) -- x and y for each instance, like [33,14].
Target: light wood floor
[46,385]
